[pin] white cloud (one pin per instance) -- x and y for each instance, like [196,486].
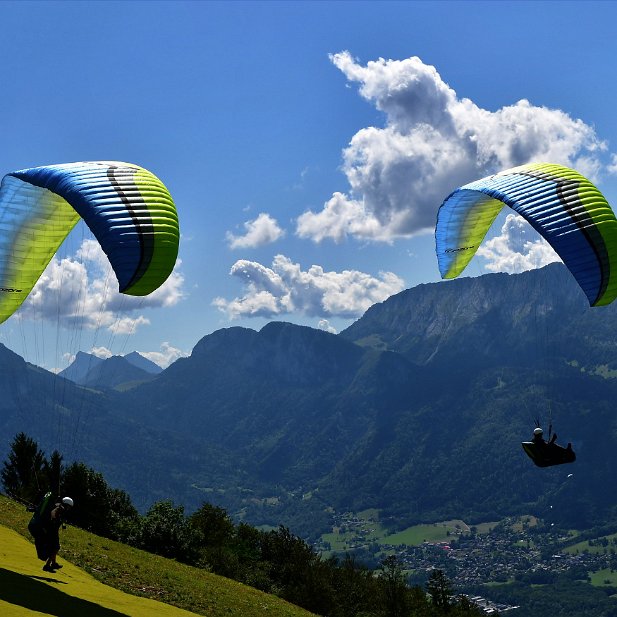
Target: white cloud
[432,142]
[325,325]
[127,325]
[68,358]
[165,356]
[262,230]
[340,217]
[285,287]
[517,248]
[101,352]
[80,291]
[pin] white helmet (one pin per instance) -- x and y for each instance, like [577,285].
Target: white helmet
[67,501]
[538,431]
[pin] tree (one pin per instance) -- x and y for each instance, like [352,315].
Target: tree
[296,570]
[213,534]
[23,474]
[213,525]
[88,490]
[463,607]
[98,508]
[356,588]
[395,587]
[439,589]
[124,519]
[165,531]
[53,470]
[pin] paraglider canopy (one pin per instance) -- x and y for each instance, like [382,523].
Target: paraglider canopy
[561,204]
[127,208]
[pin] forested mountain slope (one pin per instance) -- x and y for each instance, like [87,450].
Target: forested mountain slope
[417,409]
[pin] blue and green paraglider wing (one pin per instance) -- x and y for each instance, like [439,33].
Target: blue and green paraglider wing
[561,204]
[128,209]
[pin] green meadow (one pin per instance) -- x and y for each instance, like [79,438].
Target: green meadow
[604,577]
[584,546]
[436,532]
[364,528]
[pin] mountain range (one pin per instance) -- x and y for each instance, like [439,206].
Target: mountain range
[114,372]
[417,409]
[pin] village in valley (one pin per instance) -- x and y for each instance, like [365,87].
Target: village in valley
[521,548]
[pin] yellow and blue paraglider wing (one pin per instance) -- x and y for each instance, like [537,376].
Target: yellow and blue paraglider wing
[33,224]
[561,204]
[128,209]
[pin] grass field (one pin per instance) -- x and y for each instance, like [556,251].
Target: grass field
[529,521]
[371,531]
[342,541]
[26,590]
[437,532]
[579,547]
[485,527]
[366,529]
[93,565]
[600,578]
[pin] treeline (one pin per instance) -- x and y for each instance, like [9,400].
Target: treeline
[275,561]
[561,598]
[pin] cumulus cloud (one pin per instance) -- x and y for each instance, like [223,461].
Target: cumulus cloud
[165,356]
[341,216]
[101,352]
[325,325]
[285,288]
[517,248]
[262,230]
[432,142]
[80,291]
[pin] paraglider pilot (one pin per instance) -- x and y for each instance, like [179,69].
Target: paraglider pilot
[538,437]
[547,453]
[48,542]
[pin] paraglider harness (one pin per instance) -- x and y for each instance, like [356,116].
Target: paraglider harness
[548,453]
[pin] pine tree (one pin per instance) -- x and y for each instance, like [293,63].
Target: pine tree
[23,474]
[439,589]
[53,472]
[395,588]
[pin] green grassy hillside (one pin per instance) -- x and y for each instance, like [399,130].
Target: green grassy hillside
[91,560]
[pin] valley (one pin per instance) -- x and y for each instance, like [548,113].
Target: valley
[485,560]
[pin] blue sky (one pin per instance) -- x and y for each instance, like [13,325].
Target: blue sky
[307,145]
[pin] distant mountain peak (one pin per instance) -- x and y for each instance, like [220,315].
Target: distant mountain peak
[116,371]
[78,370]
[136,359]
[88,369]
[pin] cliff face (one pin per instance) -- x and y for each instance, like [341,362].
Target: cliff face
[514,319]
